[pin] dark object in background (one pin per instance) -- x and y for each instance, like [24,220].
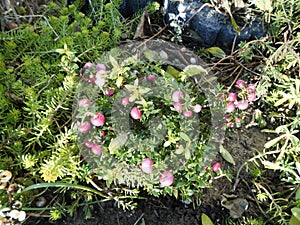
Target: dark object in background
[129,7]
[214,28]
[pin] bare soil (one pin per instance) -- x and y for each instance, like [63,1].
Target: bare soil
[241,143]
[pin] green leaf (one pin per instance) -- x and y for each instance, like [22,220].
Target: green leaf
[205,220]
[194,70]
[144,90]
[117,142]
[187,154]
[298,167]
[276,166]
[185,137]
[234,24]
[281,101]
[167,144]
[130,60]
[179,150]
[130,87]
[273,142]
[216,52]
[113,62]
[226,155]
[119,81]
[295,219]
[226,6]
[297,195]
[60,185]
[264,5]
[174,72]
[163,55]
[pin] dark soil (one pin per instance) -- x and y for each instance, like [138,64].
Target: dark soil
[241,143]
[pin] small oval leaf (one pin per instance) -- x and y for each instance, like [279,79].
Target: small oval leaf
[216,52]
[205,220]
[226,155]
[185,137]
[272,142]
[117,142]
[194,70]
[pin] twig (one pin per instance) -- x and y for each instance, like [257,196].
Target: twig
[235,79]
[240,64]
[221,60]
[233,44]
[254,197]
[48,82]
[144,42]
[91,5]
[237,179]
[139,219]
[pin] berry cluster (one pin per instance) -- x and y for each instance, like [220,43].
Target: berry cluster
[237,102]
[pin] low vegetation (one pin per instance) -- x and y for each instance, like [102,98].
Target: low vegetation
[58,134]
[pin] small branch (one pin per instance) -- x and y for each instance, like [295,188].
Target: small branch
[237,179]
[139,219]
[144,42]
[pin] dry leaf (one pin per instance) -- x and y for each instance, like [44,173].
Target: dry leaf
[144,27]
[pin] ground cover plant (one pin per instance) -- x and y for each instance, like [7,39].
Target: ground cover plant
[49,76]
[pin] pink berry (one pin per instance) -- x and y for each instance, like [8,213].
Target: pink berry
[88,65]
[92,80]
[147,165]
[242,104]
[100,82]
[197,108]
[84,127]
[88,144]
[125,101]
[230,107]
[96,149]
[102,133]
[227,118]
[177,106]
[109,91]
[132,98]
[230,124]
[177,95]
[98,119]
[251,96]
[100,67]
[231,97]
[84,102]
[188,113]
[135,113]
[251,88]
[216,166]
[166,179]
[240,84]
[150,78]
[100,74]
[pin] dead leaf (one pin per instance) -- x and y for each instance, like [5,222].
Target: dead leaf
[239,4]
[144,28]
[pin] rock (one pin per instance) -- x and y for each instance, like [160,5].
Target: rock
[213,27]
[236,206]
